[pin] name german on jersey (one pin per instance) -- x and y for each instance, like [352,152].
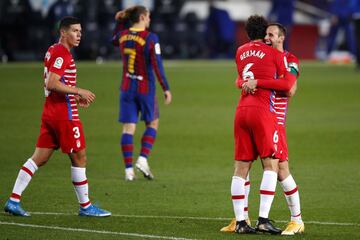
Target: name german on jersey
[252,53]
[135,38]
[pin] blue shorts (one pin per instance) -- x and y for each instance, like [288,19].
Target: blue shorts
[132,104]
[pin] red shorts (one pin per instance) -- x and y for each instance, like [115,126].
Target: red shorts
[255,131]
[283,148]
[68,135]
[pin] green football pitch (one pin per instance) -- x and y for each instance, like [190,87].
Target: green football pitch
[192,159]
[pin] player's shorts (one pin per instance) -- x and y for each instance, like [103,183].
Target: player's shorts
[133,104]
[256,134]
[283,147]
[68,135]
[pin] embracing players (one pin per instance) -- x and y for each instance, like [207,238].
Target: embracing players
[275,36]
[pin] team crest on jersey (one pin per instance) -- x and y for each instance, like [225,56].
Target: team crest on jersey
[157,49]
[58,62]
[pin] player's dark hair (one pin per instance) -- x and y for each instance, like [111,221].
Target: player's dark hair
[133,13]
[256,27]
[65,22]
[282,29]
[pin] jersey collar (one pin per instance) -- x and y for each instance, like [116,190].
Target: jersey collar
[137,29]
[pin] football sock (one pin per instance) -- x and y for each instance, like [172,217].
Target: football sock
[78,177]
[127,147]
[23,179]
[267,192]
[246,200]
[147,141]
[238,197]
[292,198]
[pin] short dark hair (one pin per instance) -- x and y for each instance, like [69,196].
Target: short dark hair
[65,22]
[133,13]
[282,29]
[256,27]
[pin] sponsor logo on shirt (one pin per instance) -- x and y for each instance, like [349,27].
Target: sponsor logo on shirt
[58,62]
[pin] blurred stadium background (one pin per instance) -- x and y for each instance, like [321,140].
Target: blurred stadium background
[187,29]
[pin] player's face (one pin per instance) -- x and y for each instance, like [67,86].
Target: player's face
[73,35]
[272,37]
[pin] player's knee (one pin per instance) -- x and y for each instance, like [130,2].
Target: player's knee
[242,169]
[129,128]
[283,173]
[40,160]
[78,159]
[154,124]
[270,165]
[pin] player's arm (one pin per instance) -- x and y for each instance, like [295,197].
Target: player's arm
[294,69]
[284,83]
[122,23]
[280,84]
[54,84]
[156,61]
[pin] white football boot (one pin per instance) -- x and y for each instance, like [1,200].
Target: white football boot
[129,174]
[143,166]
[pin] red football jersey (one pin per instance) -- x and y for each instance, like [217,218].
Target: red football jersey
[256,60]
[280,99]
[60,106]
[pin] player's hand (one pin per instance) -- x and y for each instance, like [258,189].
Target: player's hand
[81,102]
[250,86]
[120,15]
[86,95]
[168,97]
[238,83]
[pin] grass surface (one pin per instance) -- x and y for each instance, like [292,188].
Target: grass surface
[191,160]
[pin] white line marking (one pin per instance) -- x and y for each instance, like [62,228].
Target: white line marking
[198,218]
[92,231]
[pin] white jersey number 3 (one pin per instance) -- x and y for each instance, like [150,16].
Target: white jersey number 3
[76,132]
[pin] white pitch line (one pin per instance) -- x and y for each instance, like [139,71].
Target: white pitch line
[198,218]
[92,231]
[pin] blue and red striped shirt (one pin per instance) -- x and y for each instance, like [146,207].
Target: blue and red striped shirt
[141,56]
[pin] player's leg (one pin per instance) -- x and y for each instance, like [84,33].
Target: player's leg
[39,158]
[150,114]
[245,153]
[129,109]
[288,184]
[72,142]
[147,141]
[246,207]
[265,137]
[127,148]
[267,193]
[81,186]
[242,169]
[232,225]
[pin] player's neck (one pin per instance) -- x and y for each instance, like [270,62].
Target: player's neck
[63,42]
[139,26]
[281,49]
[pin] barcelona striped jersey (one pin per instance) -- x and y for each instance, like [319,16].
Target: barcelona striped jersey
[141,56]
